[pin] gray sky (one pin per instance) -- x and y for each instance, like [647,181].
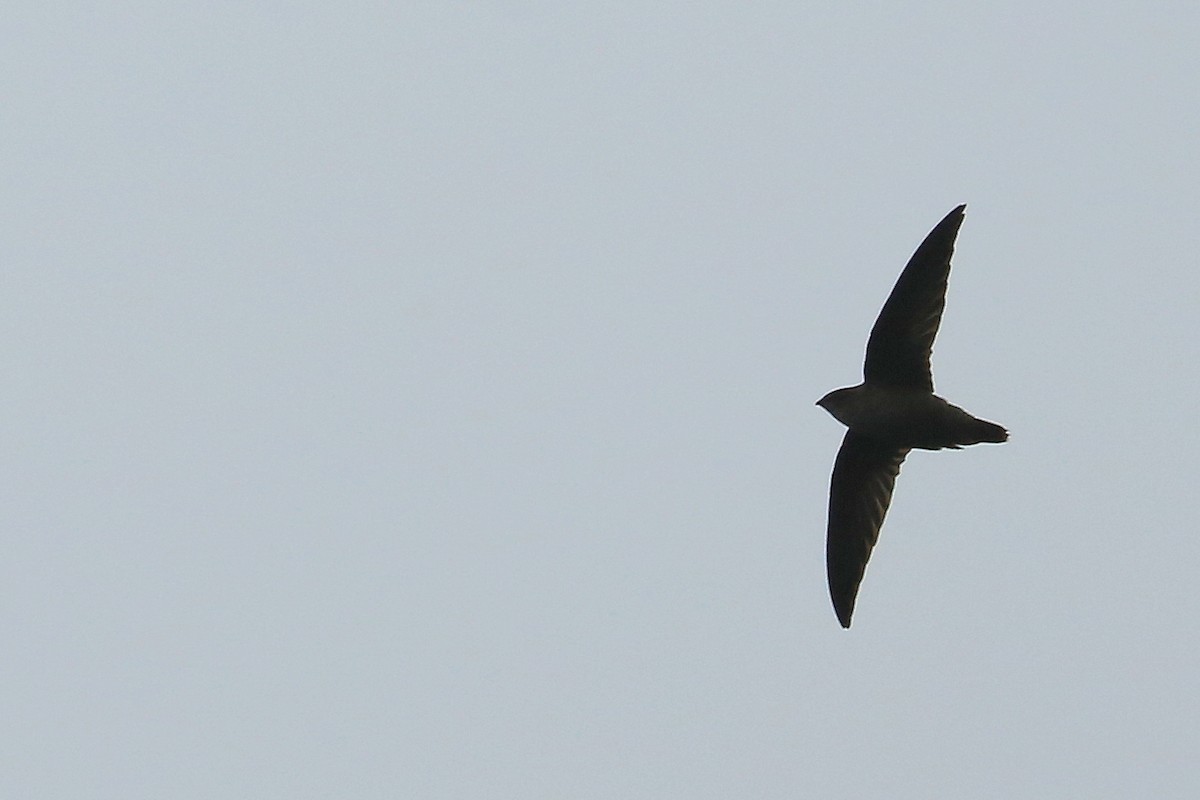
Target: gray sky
[416,400]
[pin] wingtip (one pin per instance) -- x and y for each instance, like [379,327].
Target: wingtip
[843,615]
[947,227]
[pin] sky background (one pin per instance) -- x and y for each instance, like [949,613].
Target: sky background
[416,399]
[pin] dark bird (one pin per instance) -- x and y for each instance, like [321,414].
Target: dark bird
[892,411]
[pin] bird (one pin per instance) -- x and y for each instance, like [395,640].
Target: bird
[892,412]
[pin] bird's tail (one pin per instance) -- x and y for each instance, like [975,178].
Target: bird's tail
[980,430]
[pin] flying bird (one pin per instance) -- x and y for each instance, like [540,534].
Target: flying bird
[893,411]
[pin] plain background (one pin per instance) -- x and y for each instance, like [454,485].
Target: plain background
[416,399]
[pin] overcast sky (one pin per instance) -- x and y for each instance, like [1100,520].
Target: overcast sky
[415,400]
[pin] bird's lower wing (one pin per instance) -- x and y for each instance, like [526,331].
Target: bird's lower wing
[859,494]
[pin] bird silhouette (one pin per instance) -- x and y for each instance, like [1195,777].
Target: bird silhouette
[893,411]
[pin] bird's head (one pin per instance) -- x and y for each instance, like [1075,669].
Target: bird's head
[841,403]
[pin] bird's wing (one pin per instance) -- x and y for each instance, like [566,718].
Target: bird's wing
[859,494]
[902,339]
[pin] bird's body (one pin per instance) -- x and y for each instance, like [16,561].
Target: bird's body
[893,411]
[908,418]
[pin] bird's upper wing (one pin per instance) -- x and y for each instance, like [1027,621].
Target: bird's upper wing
[902,339]
[859,494]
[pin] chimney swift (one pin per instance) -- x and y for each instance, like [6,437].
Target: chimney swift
[892,411]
